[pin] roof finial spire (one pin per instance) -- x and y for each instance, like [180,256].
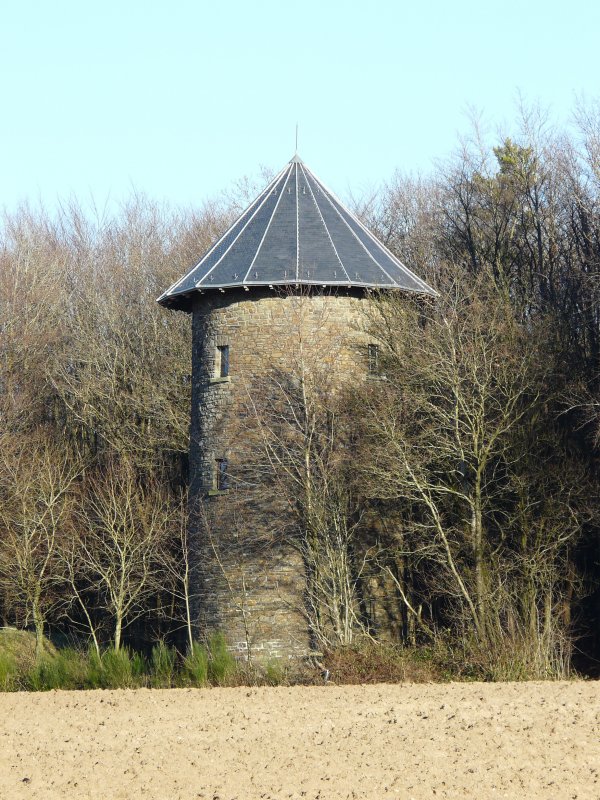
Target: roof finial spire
[296,159]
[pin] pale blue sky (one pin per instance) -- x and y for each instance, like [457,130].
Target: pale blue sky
[179,99]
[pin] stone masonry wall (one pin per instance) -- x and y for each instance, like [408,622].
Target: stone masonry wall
[251,586]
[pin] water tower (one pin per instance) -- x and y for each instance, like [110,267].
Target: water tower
[294,261]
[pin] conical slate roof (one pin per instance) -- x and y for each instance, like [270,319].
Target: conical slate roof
[295,232]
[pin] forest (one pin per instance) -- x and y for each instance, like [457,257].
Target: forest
[473,465]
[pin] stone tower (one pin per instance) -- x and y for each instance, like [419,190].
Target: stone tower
[294,268]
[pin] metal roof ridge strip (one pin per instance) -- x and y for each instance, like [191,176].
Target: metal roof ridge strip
[368,252]
[429,289]
[324,223]
[249,212]
[288,167]
[258,202]
[264,195]
[426,286]
[297,227]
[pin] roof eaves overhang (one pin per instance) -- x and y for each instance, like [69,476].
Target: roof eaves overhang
[183,301]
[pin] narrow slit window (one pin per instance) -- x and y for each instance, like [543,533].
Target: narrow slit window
[222,365]
[221,474]
[373,359]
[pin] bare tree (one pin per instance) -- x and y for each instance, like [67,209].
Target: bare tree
[123,375]
[448,436]
[31,323]
[177,563]
[36,501]
[123,534]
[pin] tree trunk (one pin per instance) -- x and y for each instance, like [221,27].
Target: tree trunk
[479,562]
[38,621]
[118,630]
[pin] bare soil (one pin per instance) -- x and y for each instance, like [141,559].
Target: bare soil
[526,740]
